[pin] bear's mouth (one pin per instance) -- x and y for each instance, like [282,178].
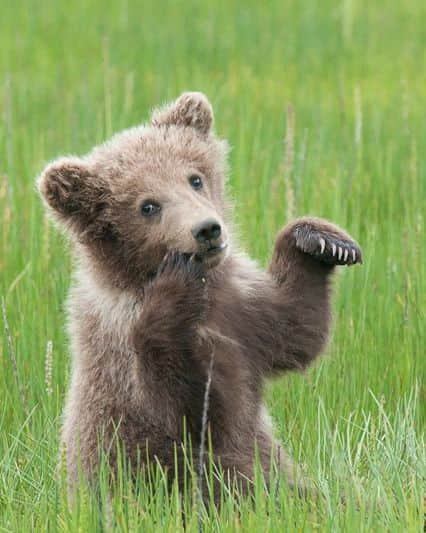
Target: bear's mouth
[213,250]
[210,255]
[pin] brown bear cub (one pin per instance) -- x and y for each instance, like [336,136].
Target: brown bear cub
[160,288]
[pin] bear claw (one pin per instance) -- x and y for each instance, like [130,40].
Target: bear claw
[328,244]
[177,263]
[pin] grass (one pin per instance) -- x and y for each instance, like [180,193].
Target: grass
[345,84]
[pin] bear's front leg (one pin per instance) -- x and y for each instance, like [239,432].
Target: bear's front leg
[166,343]
[306,252]
[174,303]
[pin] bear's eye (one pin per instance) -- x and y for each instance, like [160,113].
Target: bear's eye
[149,208]
[196,182]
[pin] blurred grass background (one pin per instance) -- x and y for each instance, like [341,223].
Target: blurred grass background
[324,105]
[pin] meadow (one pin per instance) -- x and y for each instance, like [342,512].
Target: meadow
[324,106]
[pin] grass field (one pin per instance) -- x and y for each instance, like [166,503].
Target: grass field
[344,84]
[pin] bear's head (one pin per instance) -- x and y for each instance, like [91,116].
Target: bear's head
[147,191]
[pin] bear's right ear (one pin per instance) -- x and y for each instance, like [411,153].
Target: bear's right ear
[73,194]
[190,110]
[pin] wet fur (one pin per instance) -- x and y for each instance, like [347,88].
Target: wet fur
[144,320]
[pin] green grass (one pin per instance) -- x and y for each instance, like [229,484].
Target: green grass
[354,76]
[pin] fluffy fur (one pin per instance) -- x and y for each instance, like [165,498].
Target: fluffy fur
[149,302]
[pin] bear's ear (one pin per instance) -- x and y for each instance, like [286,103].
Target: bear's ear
[73,193]
[190,109]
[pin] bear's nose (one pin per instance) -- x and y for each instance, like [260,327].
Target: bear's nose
[208,230]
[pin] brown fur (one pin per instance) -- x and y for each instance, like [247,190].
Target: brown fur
[145,315]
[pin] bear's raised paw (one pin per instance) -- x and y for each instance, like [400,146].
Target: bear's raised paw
[327,243]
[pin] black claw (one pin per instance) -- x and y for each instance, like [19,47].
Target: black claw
[177,263]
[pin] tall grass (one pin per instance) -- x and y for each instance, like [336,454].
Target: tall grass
[324,104]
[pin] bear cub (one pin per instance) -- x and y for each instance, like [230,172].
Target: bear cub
[161,290]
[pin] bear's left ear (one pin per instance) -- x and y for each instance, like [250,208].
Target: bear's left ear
[190,109]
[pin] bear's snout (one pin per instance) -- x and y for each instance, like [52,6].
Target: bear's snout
[211,243]
[207,231]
